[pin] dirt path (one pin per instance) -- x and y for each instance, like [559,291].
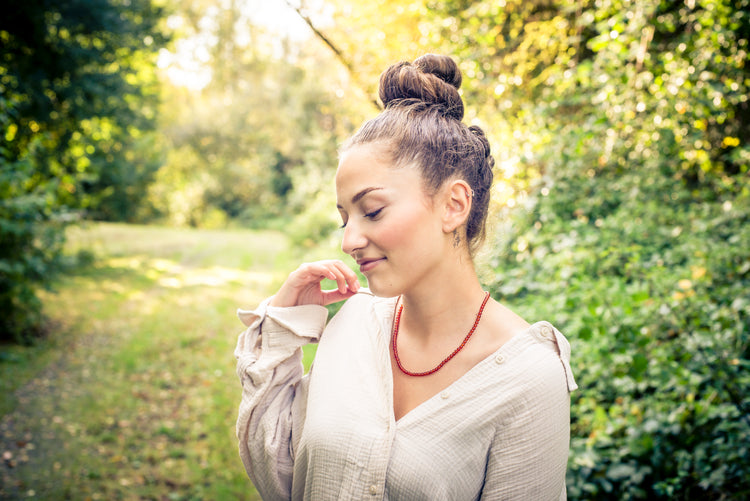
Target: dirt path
[35,430]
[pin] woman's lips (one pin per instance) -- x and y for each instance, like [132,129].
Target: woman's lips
[366,265]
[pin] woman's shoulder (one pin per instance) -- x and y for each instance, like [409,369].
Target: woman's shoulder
[499,326]
[509,328]
[544,352]
[504,322]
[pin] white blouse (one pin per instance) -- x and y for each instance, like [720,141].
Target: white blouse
[501,431]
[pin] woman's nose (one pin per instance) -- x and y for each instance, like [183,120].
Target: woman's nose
[353,239]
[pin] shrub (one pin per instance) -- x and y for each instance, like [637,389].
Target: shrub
[32,236]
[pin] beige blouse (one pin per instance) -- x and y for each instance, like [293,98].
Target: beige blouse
[500,432]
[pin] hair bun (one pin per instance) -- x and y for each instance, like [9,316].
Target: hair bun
[432,79]
[443,67]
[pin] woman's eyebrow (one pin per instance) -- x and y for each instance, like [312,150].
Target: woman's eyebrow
[356,198]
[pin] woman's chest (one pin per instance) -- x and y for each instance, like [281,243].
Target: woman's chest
[440,452]
[410,391]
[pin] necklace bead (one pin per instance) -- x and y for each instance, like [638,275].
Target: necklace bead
[447,359]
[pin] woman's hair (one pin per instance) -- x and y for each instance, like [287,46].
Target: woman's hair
[421,125]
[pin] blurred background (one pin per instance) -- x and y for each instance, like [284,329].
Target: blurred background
[163,162]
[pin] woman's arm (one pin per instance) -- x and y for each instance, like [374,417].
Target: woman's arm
[269,365]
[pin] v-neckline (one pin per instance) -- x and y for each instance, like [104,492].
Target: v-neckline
[450,388]
[387,315]
[419,409]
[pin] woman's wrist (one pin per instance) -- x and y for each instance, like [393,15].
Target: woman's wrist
[280,301]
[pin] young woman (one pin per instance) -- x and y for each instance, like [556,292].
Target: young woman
[423,387]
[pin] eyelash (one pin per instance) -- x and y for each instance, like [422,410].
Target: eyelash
[373,214]
[370,215]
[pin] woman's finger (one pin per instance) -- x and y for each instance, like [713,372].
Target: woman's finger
[340,279]
[303,285]
[315,272]
[334,296]
[349,279]
[337,271]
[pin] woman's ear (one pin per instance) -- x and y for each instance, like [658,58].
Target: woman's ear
[457,204]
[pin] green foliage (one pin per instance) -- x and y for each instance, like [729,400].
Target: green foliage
[75,86]
[258,142]
[248,166]
[653,299]
[31,243]
[30,236]
[79,74]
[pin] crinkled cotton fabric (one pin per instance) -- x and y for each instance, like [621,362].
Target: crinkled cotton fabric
[500,432]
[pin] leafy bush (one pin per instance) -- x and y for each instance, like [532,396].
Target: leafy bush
[30,249]
[654,299]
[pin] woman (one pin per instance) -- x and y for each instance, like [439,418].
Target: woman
[423,387]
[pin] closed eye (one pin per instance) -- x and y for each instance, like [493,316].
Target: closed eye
[370,215]
[374,214]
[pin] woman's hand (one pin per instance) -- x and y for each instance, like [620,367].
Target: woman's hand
[303,285]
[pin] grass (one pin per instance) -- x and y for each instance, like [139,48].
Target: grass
[134,395]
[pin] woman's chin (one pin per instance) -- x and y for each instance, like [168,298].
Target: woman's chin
[380,290]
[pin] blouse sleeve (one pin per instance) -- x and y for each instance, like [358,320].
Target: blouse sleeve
[269,365]
[529,454]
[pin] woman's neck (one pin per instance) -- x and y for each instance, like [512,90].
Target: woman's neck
[441,307]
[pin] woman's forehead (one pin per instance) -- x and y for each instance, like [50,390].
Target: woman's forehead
[361,173]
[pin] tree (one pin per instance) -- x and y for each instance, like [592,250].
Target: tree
[76,89]
[258,140]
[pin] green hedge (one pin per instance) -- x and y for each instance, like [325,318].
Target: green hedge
[31,240]
[654,299]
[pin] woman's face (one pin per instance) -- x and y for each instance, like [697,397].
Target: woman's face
[391,227]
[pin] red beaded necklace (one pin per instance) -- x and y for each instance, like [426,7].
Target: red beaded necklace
[441,364]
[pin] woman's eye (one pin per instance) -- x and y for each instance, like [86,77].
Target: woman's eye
[373,214]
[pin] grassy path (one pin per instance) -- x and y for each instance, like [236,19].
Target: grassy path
[137,396]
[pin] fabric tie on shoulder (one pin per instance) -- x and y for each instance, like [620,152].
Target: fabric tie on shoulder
[547,332]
